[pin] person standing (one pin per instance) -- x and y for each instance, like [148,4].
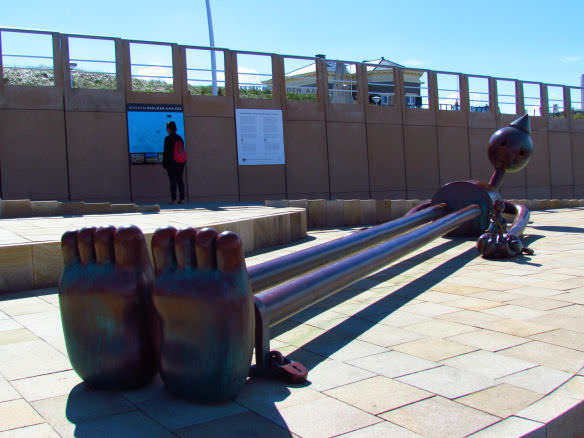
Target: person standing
[173,160]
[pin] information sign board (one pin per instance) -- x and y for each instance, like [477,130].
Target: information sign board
[147,130]
[260,137]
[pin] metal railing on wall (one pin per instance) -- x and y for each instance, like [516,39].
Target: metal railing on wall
[151,67]
[416,88]
[301,79]
[380,84]
[448,92]
[254,75]
[507,96]
[202,78]
[95,72]
[556,103]
[478,91]
[532,98]
[343,85]
[27,59]
[577,102]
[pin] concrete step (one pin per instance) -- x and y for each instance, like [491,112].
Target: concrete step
[17,208]
[322,213]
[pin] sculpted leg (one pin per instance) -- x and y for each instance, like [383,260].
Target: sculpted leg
[106,307]
[203,298]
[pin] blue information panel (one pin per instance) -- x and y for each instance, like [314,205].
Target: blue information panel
[147,130]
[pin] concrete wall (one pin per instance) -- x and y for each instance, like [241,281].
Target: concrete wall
[69,143]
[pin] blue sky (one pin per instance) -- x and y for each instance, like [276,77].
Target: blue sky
[530,40]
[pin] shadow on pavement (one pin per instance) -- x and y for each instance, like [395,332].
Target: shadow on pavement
[152,411]
[561,229]
[360,322]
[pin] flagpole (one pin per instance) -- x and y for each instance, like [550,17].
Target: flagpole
[212,44]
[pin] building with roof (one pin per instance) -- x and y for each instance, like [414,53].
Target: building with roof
[342,82]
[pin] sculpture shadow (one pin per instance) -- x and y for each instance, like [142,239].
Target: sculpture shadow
[360,286]
[554,211]
[342,334]
[152,411]
[357,324]
[211,206]
[270,249]
[8,296]
[562,229]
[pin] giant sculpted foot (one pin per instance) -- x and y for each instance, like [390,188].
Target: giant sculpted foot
[203,298]
[106,307]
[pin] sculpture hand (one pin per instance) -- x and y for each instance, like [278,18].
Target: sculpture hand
[489,245]
[106,308]
[501,246]
[203,297]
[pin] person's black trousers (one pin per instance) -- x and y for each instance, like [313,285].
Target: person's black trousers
[175,176]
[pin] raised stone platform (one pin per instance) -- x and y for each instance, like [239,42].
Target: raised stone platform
[30,248]
[355,212]
[17,208]
[442,344]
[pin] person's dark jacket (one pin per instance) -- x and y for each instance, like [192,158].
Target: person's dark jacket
[168,155]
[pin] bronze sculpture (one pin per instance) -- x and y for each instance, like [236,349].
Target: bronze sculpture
[199,317]
[510,149]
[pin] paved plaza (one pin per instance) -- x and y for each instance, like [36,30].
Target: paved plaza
[440,344]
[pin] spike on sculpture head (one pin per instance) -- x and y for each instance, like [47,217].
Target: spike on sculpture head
[522,123]
[511,147]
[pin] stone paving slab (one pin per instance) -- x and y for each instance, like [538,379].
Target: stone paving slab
[441,344]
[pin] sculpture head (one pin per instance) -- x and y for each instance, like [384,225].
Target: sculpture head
[511,147]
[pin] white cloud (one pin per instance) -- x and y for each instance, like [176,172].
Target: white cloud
[477,97]
[249,76]
[413,62]
[207,76]
[246,70]
[571,58]
[220,76]
[153,72]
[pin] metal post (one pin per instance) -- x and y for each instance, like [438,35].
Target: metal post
[212,44]
[279,303]
[582,92]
